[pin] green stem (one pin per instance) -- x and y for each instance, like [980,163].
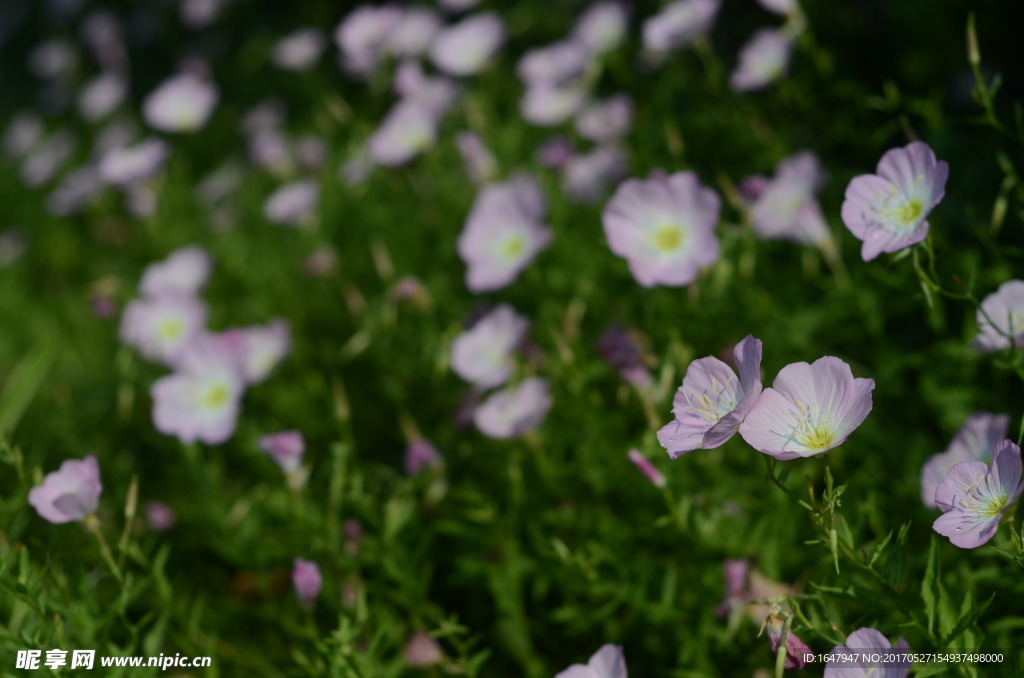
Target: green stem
[92,524]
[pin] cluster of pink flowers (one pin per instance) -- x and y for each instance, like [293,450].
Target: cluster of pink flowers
[201,399]
[810,408]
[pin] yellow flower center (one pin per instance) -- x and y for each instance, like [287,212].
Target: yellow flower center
[513,247]
[216,396]
[908,212]
[817,437]
[668,238]
[171,328]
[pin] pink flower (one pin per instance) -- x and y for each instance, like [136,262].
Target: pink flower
[809,409]
[975,441]
[712,402]
[607,662]
[888,210]
[466,48]
[763,60]
[299,50]
[286,448]
[503,233]
[293,204]
[159,516]
[181,104]
[69,493]
[679,24]
[555,152]
[587,176]
[422,651]
[362,34]
[420,455]
[483,355]
[409,129]
[202,399]
[784,206]
[413,33]
[514,411]
[307,580]
[1001,318]
[102,95]
[602,26]
[606,120]
[647,468]
[853,660]
[549,105]
[183,272]
[160,328]
[974,497]
[795,648]
[664,227]
[125,166]
[555,64]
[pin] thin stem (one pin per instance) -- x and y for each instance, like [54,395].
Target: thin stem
[92,524]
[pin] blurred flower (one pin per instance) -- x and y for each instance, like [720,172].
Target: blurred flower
[199,14]
[422,651]
[503,233]
[1001,318]
[14,243]
[75,191]
[555,64]
[269,149]
[736,592]
[483,354]
[53,59]
[975,441]
[852,660]
[159,516]
[419,455]
[101,32]
[183,272]
[514,411]
[201,400]
[355,171]
[129,165]
[784,206]
[647,468]
[607,662]
[587,176]
[45,160]
[181,104]
[293,204]
[299,50]
[160,328]
[262,347]
[285,448]
[466,47]
[480,165]
[549,105]
[140,200]
[623,352]
[413,33]
[679,24]
[775,624]
[222,182]
[103,306]
[101,96]
[307,580]
[809,409]
[887,210]
[268,114]
[974,496]
[409,128]
[362,34]
[607,120]
[24,131]
[602,26]
[411,288]
[555,152]
[457,5]
[69,493]
[712,403]
[763,60]
[664,227]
